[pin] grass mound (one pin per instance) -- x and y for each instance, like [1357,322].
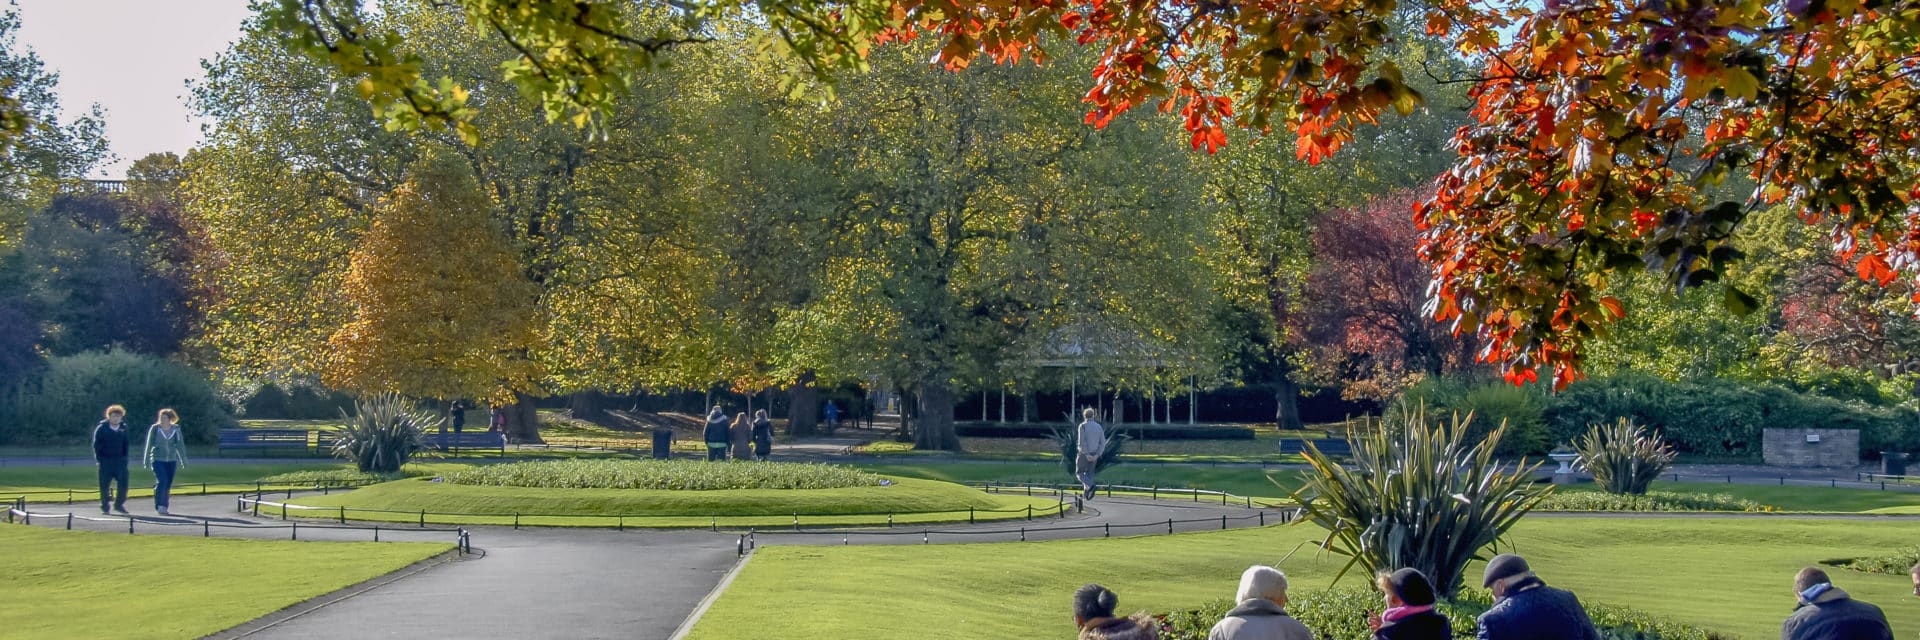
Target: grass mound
[672,475]
[1653,501]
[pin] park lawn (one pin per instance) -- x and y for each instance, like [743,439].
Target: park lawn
[84,478]
[1238,480]
[170,586]
[908,500]
[1726,574]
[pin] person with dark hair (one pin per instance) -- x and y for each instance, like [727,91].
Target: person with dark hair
[1260,612]
[1525,608]
[459,411]
[110,446]
[762,435]
[1409,614]
[1827,613]
[1093,607]
[716,435]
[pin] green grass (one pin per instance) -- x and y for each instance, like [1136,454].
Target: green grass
[78,584]
[677,475]
[1265,447]
[83,479]
[909,499]
[1730,575]
[1797,499]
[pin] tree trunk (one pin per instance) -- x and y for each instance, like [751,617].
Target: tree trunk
[1287,393]
[523,420]
[803,407]
[933,427]
[1028,405]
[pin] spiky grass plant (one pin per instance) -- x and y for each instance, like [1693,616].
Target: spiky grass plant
[1624,457]
[383,433]
[1418,495]
[1068,440]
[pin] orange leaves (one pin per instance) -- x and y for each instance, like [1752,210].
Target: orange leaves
[1873,268]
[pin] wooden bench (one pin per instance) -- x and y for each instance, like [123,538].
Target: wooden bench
[264,439]
[468,440]
[1329,446]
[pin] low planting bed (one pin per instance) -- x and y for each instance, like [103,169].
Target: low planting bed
[1652,501]
[633,493]
[1341,614]
[1136,431]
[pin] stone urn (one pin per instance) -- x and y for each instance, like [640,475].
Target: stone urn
[1565,458]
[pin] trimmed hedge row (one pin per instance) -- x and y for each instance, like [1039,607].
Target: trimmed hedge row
[1135,431]
[1341,614]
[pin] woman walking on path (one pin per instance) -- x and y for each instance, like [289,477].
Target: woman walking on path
[716,434]
[742,437]
[166,453]
[1409,614]
[762,435]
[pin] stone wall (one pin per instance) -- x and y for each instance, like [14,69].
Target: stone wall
[1790,448]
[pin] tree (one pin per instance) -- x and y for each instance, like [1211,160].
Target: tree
[38,150]
[440,307]
[1601,128]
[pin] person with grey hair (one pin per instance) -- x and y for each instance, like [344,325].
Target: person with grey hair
[1827,613]
[1525,608]
[1261,613]
[1091,442]
[717,434]
[1093,607]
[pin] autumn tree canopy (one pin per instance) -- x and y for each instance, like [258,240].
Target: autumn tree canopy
[1607,134]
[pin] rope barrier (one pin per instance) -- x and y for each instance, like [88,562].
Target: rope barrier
[18,509]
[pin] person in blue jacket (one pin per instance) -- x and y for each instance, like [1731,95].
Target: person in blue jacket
[1525,608]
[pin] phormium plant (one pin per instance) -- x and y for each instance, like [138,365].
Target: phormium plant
[1623,457]
[383,433]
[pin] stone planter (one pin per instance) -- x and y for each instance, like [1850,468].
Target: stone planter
[1564,474]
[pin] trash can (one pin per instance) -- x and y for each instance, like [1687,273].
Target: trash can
[662,444]
[1893,463]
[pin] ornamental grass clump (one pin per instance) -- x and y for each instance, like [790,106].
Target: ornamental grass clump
[1418,496]
[1068,441]
[1623,457]
[383,433]
[675,475]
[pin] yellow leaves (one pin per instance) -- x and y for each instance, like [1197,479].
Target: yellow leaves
[1740,83]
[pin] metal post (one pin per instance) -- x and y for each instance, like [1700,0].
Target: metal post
[206,529]
[516,521]
[889,518]
[423,518]
[1169,525]
[621,524]
[1223,522]
[970,510]
[376,533]
[343,514]
[1023,534]
[296,531]
[796,522]
[1263,518]
[1029,513]
[1109,530]
[69,521]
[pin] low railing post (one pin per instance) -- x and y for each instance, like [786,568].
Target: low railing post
[343,514]
[1108,528]
[206,529]
[1169,526]
[69,521]
[296,531]
[1223,522]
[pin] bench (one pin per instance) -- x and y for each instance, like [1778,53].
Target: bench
[468,440]
[264,439]
[1329,446]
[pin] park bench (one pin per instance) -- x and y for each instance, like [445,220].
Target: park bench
[264,439]
[468,440]
[1329,446]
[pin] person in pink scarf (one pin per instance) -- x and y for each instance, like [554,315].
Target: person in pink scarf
[1409,614]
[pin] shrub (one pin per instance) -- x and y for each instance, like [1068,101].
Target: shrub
[1624,458]
[1419,496]
[383,433]
[329,476]
[1341,614]
[1652,501]
[1719,417]
[1068,441]
[62,406]
[678,475]
[316,403]
[1898,564]
[1521,409]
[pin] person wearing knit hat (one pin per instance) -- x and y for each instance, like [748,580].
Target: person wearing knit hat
[1093,607]
[1409,614]
[1827,613]
[1261,611]
[1525,608]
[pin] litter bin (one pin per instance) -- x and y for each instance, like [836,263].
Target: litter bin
[662,444]
[1893,463]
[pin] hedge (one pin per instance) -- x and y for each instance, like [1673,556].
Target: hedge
[66,401]
[1136,431]
[1723,417]
[1341,614]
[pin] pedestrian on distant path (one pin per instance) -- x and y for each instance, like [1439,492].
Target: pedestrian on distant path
[1092,440]
[459,411]
[762,435]
[1093,612]
[1409,614]
[741,436]
[110,455]
[165,454]
[833,416]
[716,434]
[1262,610]
[1527,609]
[1827,613]
[499,422]
[1916,579]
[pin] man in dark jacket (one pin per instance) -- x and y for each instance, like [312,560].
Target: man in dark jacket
[1827,613]
[716,434]
[1527,609]
[110,455]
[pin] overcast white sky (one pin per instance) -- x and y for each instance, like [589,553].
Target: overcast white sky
[133,57]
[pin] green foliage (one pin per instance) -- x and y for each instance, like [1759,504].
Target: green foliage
[1895,564]
[64,404]
[1068,441]
[1650,501]
[676,475]
[1341,614]
[1623,457]
[328,476]
[1492,403]
[1716,416]
[384,432]
[1418,496]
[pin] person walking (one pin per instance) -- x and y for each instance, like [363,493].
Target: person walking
[715,434]
[1827,613]
[762,435]
[110,456]
[740,435]
[165,454]
[1093,613]
[459,411]
[1092,442]
[1525,608]
[1916,579]
[833,416]
[1409,614]
[1262,610]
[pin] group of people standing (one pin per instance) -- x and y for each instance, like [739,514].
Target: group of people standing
[747,439]
[164,454]
[1524,608]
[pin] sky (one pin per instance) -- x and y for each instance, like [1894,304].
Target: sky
[133,58]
